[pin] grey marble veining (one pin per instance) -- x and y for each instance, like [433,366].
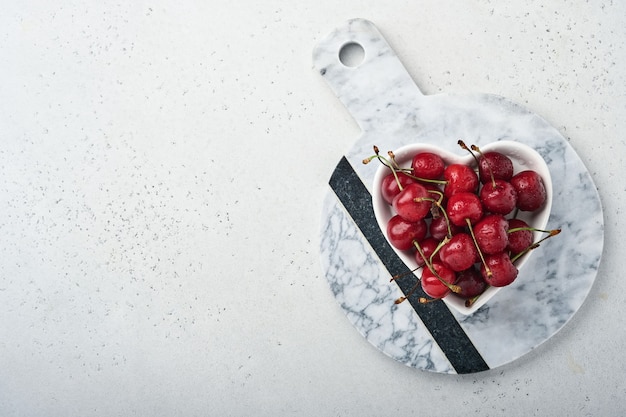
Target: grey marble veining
[392,112]
[361,286]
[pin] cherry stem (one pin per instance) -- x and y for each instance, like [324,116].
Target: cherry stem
[380,158]
[432,200]
[392,157]
[439,194]
[408,294]
[391,165]
[532,229]
[437,203]
[480,253]
[398,276]
[536,244]
[452,287]
[440,245]
[470,301]
[444,182]
[464,146]
[421,300]
[493,179]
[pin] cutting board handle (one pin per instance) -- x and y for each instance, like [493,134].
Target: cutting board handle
[375,90]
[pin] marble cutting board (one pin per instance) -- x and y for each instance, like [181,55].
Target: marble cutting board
[357,261]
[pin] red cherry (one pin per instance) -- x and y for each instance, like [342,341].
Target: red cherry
[518,240]
[432,285]
[439,228]
[428,246]
[409,204]
[495,163]
[462,206]
[498,196]
[459,253]
[470,282]
[460,178]
[503,272]
[531,192]
[389,186]
[401,233]
[491,234]
[428,165]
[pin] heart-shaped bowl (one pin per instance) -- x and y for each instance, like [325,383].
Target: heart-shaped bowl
[523,158]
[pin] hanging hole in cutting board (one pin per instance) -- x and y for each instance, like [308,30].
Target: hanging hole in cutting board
[352,54]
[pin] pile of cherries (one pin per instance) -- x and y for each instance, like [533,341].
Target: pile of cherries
[460,222]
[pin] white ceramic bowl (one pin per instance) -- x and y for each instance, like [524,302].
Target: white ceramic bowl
[523,158]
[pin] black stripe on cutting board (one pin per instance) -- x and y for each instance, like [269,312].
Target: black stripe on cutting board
[437,318]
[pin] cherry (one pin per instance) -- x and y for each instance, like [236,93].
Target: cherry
[464,206]
[498,270]
[402,233]
[428,165]
[459,178]
[428,246]
[389,187]
[439,228]
[498,196]
[491,234]
[494,165]
[432,285]
[470,282]
[519,240]
[412,204]
[531,192]
[459,253]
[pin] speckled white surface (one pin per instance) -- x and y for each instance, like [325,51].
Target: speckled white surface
[162,171]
